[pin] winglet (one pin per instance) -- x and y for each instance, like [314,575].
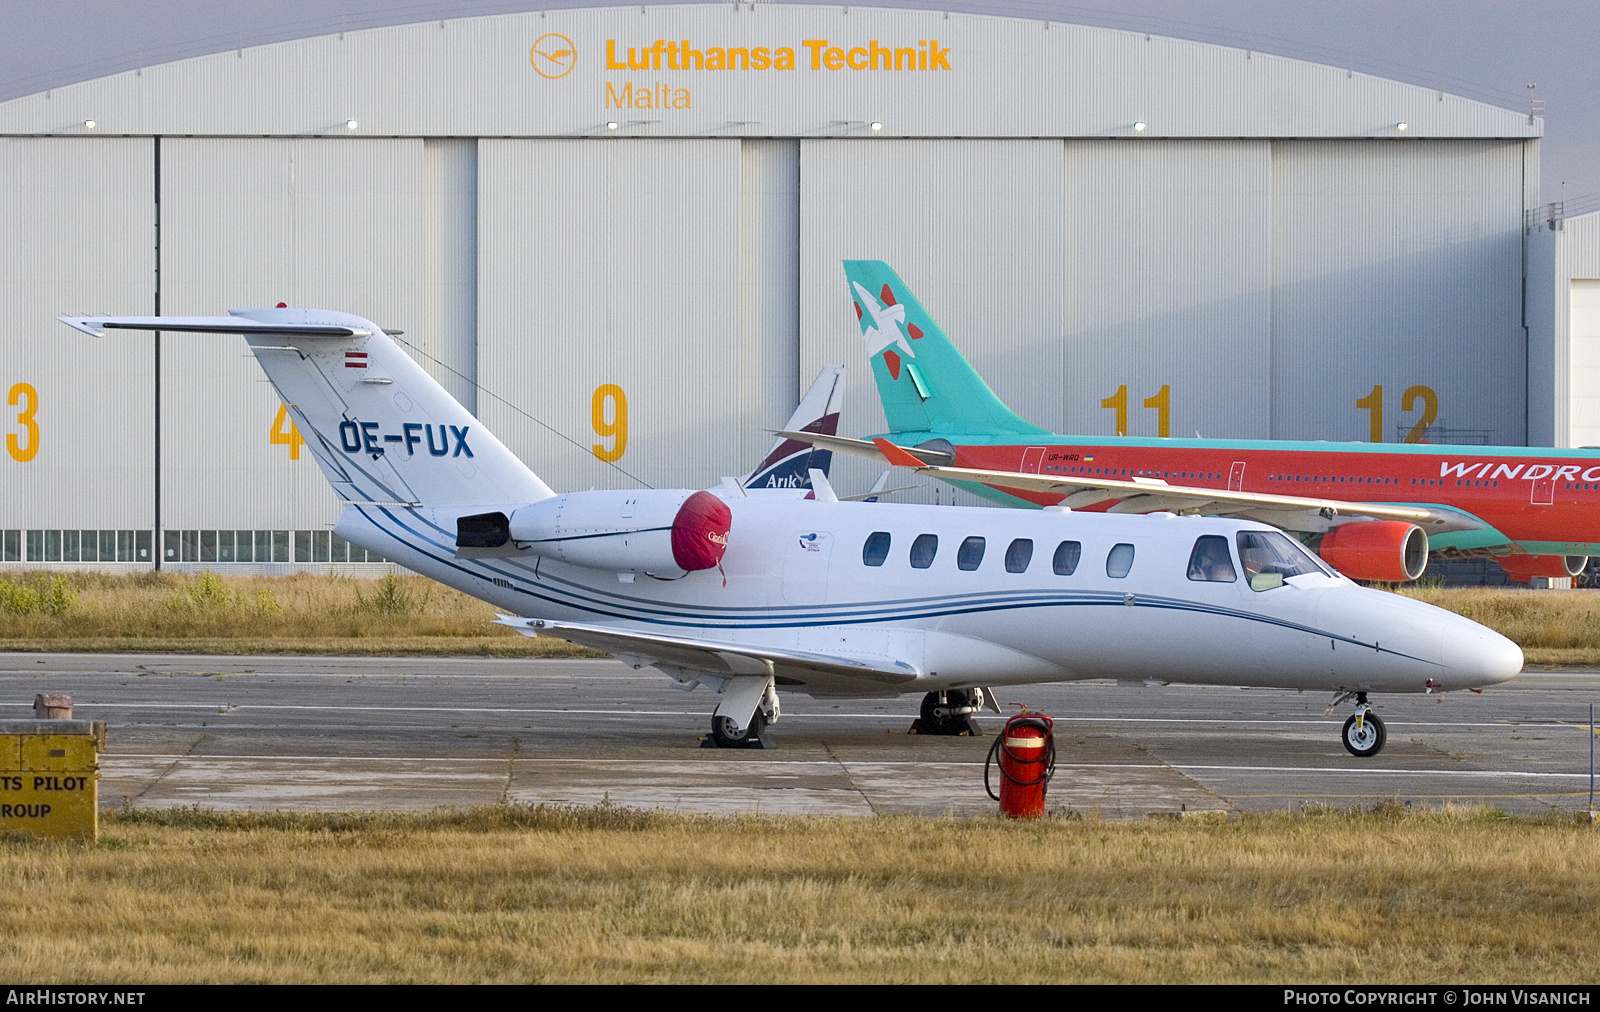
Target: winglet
[895,455]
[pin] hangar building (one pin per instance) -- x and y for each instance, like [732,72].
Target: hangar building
[616,233]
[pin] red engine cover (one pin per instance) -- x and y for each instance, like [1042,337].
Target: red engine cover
[1391,551]
[700,532]
[1523,568]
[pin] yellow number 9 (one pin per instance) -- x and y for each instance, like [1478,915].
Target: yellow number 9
[617,428]
[24,391]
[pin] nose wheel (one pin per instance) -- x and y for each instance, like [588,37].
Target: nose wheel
[1364,733]
[951,712]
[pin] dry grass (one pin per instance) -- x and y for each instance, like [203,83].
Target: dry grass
[510,894]
[1535,620]
[206,613]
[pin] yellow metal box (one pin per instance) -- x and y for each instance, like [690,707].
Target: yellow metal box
[50,777]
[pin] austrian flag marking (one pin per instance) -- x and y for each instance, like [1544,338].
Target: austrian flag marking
[355,360]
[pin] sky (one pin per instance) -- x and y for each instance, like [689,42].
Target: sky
[1489,50]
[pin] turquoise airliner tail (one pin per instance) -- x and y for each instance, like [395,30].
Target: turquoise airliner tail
[926,385]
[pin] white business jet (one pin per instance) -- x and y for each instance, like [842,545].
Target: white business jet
[748,593]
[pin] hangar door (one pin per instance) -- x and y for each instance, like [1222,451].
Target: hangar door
[608,308]
[1584,364]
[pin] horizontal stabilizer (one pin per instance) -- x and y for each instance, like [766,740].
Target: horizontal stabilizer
[96,326]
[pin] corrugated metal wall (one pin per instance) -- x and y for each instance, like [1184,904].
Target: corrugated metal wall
[254,222]
[1268,285]
[1150,301]
[611,264]
[77,234]
[1397,265]
[973,227]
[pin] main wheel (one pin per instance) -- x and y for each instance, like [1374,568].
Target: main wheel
[727,735]
[1367,740]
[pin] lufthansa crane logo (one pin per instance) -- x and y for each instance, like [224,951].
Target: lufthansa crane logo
[553,55]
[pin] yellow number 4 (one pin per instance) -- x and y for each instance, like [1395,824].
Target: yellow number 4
[290,437]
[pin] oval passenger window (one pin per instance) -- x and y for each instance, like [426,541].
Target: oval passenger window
[1065,562]
[876,549]
[1018,555]
[1119,561]
[970,554]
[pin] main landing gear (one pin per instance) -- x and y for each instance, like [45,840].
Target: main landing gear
[748,705]
[1364,734]
[726,734]
[951,712]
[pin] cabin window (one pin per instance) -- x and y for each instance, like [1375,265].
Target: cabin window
[923,550]
[970,554]
[1269,558]
[876,549]
[1018,555]
[1119,560]
[1065,562]
[1210,561]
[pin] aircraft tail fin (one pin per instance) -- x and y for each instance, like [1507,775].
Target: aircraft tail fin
[381,429]
[925,383]
[789,463]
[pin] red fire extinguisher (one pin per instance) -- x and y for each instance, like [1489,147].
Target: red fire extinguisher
[1027,752]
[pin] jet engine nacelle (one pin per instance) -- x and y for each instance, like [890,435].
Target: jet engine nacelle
[1523,568]
[631,531]
[1390,551]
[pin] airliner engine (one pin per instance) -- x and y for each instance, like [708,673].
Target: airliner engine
[1381,550]
[660,531]
[1523,568]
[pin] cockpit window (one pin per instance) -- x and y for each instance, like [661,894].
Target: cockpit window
[876,549]
[1210,561]
[923,550]
[1269,558]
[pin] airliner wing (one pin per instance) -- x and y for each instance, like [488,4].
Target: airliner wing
[819,674]
[863,448]
[1149,495]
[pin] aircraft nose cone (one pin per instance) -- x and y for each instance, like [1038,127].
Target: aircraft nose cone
[1475,655]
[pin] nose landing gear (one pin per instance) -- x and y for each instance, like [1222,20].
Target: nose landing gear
[1364,733]
[952,712]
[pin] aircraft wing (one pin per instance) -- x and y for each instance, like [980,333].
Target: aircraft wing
[864,448]
[1150,495]
[819,674]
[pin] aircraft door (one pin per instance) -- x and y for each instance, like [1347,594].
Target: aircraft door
[1236,477]
[805,567]
[1031,458]
[1544,492]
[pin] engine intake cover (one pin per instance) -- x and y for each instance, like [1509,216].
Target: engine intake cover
[661,531]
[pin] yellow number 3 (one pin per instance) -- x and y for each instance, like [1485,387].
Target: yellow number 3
[20,392]
[617,428]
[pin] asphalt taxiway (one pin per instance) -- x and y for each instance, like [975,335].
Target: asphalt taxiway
[415,733]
